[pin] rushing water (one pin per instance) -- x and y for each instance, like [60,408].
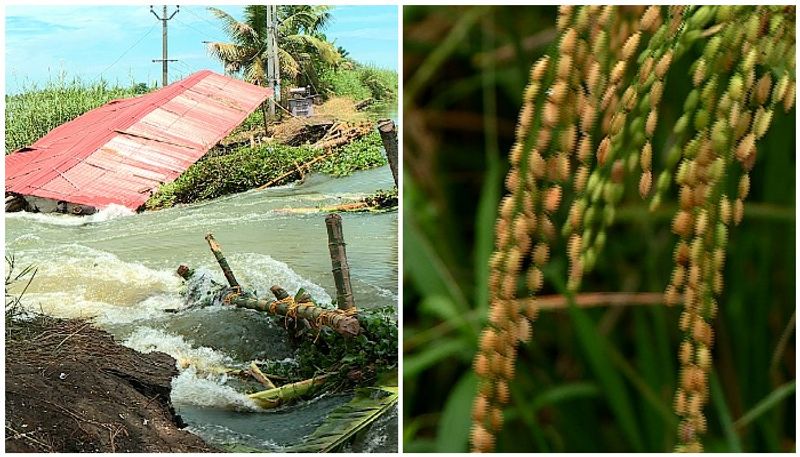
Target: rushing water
[119,269]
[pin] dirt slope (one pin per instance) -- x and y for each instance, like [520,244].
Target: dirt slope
[71,388]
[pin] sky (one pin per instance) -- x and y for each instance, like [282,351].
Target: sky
[118,43]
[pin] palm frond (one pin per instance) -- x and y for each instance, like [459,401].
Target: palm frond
[241,32]
[325,50]
[290,67]
[256,72]
[225,52]
[256,17]
[303,18]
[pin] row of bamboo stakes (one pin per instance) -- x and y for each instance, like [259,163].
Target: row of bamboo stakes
[342,320]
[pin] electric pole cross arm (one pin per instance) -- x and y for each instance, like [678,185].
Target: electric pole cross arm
[164,60]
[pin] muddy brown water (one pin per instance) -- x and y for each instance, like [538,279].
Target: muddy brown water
[118,268]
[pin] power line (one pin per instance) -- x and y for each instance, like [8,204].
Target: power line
[191,11]
[127,51]
[204,34]
[189,68]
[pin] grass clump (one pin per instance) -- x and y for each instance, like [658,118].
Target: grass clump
[246,168]
[360,82]
[33,113]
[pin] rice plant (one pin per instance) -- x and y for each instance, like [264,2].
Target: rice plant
[663,102]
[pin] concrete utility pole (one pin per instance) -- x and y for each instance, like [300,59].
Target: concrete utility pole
[164,60]
[273,68]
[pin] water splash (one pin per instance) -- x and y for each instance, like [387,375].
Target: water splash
[75,281]
[208,391]
[202,379]
[108,213]
[202,359]
[262,272]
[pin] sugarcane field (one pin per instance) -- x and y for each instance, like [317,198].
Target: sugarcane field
[202,248]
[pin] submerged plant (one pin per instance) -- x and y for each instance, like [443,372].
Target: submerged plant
[589,129]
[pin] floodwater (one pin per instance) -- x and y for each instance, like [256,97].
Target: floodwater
[119,269]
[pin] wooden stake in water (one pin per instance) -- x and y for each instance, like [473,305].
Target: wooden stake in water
[341,270]
[389,137]
[226,269]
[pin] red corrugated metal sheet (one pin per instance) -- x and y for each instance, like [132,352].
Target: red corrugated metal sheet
[121,152]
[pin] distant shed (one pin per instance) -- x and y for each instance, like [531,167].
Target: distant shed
[121,152]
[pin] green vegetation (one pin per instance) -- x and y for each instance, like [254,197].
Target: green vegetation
[359,82]
[302,48]
[359,360]
[36,111]
[246,168]
[600,378]
[383,199]
[345,422]
[15,276]
[305,54]
[361,154]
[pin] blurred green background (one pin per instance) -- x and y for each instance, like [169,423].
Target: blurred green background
[592,379]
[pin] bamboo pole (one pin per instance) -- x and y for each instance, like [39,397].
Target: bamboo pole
[226,269]
[341,270]
[389,137]
[336,320]
[293,171]
[275,397]
[260,376]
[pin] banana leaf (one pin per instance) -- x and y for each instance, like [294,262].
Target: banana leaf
[346,421]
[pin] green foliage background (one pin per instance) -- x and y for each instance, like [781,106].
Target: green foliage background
[37,110]
[247,167]
[598,379]
[359,82]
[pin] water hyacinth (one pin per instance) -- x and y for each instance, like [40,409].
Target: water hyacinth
[588,129]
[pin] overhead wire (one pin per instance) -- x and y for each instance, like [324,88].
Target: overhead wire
[127,50]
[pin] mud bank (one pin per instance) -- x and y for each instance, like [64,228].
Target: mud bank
[71,388]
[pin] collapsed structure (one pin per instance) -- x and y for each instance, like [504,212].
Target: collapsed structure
[121,152]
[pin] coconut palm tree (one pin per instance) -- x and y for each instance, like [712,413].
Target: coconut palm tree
[301,45]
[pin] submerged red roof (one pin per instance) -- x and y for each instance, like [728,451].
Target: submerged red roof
[123,151]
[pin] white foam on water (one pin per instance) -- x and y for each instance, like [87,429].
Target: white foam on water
[24,238]
[76,281]
[68,220]
[76,304]
[262,272]
[208,391]
[203,359]
[385,293]
[74,261]
[201,381]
